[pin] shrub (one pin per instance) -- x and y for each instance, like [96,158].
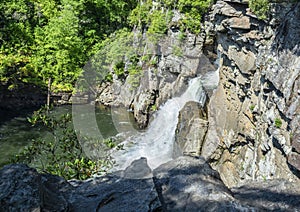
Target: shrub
[135,74]
[259,8]
[62,154]
[278,122]
[177,51]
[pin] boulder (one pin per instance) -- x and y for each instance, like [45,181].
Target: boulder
[24,189]
[189,184]
[20,187]
[191,130]
[184,184]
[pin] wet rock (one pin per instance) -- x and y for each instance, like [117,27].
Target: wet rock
[138,169]
[141,105]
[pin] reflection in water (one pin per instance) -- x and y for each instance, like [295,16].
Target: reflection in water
[16,132]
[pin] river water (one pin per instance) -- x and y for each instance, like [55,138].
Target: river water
[16,132]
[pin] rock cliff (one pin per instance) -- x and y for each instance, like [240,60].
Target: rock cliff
[253,115]
[175,61]
[251,129]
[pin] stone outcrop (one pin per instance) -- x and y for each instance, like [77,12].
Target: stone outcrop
[176,61]
[253,115]
[184,184]
[191,130]
[23,189]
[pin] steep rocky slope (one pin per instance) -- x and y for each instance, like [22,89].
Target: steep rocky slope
[253,115]
[176,60]
[251,129]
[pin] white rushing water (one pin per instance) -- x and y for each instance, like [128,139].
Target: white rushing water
[156,143]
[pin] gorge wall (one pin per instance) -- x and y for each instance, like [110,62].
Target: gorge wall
[253,115]
[251,129]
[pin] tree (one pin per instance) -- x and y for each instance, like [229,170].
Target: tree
[59,51]
[16,40]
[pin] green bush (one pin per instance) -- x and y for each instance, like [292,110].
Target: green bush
[61,154]
[158,23]
[177,51]
[278,122]
[259,8]
[135,74]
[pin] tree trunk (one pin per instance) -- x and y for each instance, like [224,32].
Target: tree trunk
[49,92]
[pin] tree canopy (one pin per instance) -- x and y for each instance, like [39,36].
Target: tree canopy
[42,40]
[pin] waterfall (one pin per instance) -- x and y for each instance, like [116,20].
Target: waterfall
[156,143]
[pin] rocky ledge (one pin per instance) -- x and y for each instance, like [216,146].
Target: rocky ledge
[184,184]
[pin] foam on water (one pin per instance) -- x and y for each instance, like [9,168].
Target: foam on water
[156,143]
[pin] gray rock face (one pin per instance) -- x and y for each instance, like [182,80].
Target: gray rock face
[274,195]
[189,184]
[177,62]
[23,189]
[19,187]
[184,184]
[191,130]
[253,115]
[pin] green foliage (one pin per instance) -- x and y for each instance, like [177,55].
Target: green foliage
[54,39]
[135,74]
[119,69]
[153,108]
[139,15]
[177,51]
[158,23]
[251,107]
[193,12]
[278,122]
[62,153]
[110,143]
[59,51]
[259,8]
[182,36]
[157,20]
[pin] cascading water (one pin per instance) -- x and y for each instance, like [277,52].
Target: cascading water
[156,144]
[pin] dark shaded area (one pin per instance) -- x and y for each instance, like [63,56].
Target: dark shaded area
[184,184]
[20,101]
[287,35]
[275,195]
[189,184]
